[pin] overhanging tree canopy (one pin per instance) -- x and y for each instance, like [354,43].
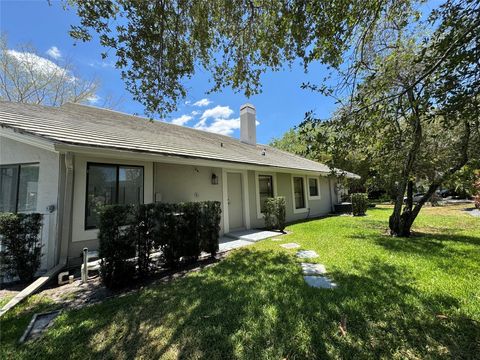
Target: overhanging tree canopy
[159,44]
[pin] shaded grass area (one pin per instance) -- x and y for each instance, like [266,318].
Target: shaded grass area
[401,298]
[4,300]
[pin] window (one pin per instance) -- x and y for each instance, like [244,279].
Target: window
[299,193]
[313,187]
[18,187]
[111,184]
[265,189]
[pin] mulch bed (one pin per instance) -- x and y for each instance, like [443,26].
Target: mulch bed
[77,294]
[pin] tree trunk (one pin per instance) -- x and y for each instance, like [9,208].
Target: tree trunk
[401,224]
[401,221]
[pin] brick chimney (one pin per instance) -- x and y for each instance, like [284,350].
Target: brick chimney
[248,126]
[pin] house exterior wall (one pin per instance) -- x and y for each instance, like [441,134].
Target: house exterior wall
[282,183]
[16,152]
[82,237]
[173,183]
[181,183]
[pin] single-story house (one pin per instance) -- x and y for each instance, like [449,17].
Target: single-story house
[64,161]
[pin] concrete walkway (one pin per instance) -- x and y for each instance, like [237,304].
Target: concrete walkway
[238,239]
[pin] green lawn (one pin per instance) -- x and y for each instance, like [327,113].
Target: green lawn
[402,298]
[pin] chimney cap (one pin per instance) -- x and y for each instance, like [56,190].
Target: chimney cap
[247,105]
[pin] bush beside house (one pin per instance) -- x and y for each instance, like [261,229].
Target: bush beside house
[274,213]
[359,204]
[128,236]
[21,244]
[116,245]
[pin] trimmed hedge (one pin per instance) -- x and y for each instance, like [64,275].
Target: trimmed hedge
[359,204]
[275,213]
[142,230]
[179,231]
[116,245]
[22,245]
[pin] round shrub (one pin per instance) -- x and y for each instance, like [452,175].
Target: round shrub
[275,213]
[359,204]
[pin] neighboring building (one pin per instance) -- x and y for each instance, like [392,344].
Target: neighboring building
[64,161]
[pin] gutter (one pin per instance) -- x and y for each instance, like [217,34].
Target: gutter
[332,206]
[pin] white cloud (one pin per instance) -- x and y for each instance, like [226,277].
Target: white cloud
[102,64]
[54,52]
[217,112]
[94,99]
[202,102]
[217,120]
[219,126]
[182,120]
[38,64]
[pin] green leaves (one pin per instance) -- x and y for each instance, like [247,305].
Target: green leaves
[158,45]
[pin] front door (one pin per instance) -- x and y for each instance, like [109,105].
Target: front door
[235,201]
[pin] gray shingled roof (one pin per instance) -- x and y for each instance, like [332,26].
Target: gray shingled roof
[94,127]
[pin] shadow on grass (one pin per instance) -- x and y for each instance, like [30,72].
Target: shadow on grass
[255,304]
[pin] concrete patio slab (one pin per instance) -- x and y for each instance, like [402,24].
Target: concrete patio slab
[290,246]
[313,269]
[227,244]
[321,282]
[252,235]
[307,254]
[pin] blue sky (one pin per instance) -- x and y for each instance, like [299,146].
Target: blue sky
[280,106]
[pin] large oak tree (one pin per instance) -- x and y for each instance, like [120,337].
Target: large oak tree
[414,105]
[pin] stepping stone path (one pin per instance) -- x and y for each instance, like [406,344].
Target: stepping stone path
[320,282]
[313,274]
[313,269]
[290,246]
[307,254]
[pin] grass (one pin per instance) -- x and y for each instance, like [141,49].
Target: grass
[4,300]
[411,298]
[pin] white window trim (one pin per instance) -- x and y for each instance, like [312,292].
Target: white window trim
[319,196]
[257,189]
[306,208]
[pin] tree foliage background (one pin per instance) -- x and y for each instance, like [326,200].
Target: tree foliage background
[26,77]
[413,105]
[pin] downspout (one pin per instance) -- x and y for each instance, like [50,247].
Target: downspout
[67,204]
[332,206]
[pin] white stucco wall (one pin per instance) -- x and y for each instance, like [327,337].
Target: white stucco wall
[173,183]
[283,187]
[88,238]
[179,183]
[16,152]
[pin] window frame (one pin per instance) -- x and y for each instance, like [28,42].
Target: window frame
[305,196]
[17,185]
[117,185]
[257,188]
[317,180]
